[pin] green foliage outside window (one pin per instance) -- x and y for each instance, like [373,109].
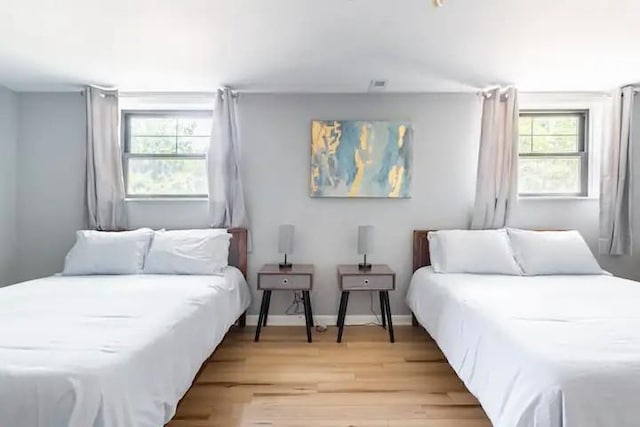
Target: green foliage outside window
[552,154]
[165,154]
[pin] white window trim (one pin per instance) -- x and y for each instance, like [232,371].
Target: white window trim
[166,101]
[596,103]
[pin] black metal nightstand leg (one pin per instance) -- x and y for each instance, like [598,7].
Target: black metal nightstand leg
[389,322]
[310,311]
[266,311]
[342,314]
[261,318]
[382,310]
[342,311]
[340,306]
[307,295]
[308,314]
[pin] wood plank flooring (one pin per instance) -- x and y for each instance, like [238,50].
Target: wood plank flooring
[365,381]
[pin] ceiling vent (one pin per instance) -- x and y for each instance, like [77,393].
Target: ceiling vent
[377,85]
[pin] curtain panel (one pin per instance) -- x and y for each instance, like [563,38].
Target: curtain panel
[496,187]
[226,195]
[105,180]
[616,236]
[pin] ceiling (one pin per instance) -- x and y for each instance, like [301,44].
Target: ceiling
[319,45]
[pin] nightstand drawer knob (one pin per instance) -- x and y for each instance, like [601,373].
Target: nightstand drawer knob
[366,281]
[285,281]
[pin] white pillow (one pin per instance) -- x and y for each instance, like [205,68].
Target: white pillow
[203,252]
[101,252]
[552,252]
[472,251]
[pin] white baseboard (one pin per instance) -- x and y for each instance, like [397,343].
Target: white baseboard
[327,320]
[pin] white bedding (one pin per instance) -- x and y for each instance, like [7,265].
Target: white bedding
[545,351]
[109,351]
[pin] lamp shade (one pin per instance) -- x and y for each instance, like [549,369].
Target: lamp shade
[286,235]
[365,239]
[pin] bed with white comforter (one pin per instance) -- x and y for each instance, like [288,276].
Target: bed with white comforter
[109,351]
[543,351]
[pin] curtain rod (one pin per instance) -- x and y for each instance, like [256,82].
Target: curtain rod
[137,94]
[484,94]
[126,94]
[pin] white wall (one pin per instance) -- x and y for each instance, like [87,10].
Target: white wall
[275,130]
[8,144]
[51,170]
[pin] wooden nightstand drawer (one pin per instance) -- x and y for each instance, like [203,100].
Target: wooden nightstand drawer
[284,281]
[298,277]
[363,282]
[379,278]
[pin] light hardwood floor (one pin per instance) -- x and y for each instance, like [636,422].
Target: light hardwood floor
[365,381]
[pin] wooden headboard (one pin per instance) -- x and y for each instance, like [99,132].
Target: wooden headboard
[238,249]
[421,256]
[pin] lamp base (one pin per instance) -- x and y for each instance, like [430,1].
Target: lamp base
[285,266]
[364,266]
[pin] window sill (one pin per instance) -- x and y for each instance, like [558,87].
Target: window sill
[165,199]
[558,198]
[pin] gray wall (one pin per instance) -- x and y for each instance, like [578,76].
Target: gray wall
[276,134]
[275,130]
[8,211]
[51,170]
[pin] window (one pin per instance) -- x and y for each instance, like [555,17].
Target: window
[164,153]
[553,153]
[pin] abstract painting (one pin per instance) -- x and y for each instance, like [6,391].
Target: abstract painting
[351,158]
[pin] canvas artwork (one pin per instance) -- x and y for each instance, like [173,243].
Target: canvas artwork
[352,158]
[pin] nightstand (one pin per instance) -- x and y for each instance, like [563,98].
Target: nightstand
[378,278]
[297,278]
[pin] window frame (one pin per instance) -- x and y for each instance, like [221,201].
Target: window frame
[127,154]
[583,149]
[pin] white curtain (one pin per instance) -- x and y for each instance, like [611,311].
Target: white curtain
[615,182]
[226,197]
[496,186]
[105,181]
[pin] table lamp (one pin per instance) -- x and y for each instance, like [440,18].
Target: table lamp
[365,236]
[286,236]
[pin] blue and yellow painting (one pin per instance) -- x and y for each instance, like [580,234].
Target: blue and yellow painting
[352,158]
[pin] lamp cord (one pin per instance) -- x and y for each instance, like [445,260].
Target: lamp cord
[295,306]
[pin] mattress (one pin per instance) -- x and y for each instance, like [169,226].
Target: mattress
[109,351]
[544,351]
